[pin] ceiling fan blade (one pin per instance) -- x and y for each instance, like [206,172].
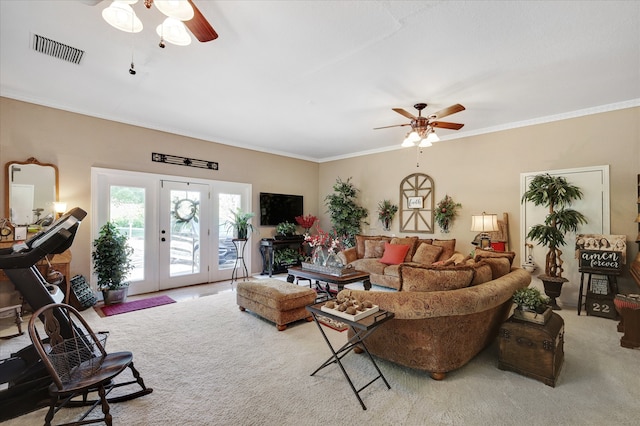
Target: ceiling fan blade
[445,125]
[395,125]
[448,111]
[405,113]
[199,26]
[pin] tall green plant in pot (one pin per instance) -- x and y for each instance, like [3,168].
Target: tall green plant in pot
[240,223]
[556,194]
[111,263]
[346,215]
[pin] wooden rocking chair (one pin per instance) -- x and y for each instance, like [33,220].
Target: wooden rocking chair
[78,364]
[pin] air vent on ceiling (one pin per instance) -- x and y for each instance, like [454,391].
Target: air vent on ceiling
[56,49]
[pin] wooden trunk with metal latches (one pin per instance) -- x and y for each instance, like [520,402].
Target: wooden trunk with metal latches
[533,350]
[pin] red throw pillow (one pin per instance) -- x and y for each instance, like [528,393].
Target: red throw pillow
[394,253]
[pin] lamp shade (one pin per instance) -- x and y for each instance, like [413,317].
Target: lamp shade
[484,223]
[59,207]
[432,137]
[174,31]
[177,9]
[121,16]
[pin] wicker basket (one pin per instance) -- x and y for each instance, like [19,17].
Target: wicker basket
[77,357]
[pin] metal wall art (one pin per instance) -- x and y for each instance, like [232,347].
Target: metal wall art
[417,204]
[183,161]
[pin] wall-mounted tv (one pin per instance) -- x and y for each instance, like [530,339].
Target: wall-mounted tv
[277,208]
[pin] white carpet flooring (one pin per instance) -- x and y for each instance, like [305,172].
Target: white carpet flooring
[210,364]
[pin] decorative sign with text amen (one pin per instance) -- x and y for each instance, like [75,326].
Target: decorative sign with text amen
[601,262]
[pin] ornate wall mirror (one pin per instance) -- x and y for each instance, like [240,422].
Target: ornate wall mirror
[416,204]
[31,189]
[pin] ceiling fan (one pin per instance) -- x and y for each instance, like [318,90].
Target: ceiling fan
[198,24]
[423,128]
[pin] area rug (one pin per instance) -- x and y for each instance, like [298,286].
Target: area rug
[136,305]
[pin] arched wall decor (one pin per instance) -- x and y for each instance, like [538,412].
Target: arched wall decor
[417,204]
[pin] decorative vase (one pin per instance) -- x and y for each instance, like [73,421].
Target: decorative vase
[444,226]
[386,224]
[111,297]
[553,288]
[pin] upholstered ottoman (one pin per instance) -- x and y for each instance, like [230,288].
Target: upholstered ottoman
[275,300]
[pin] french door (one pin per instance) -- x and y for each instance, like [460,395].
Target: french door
[182,251]
[176,226]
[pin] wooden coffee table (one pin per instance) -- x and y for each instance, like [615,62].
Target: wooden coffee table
[340,281]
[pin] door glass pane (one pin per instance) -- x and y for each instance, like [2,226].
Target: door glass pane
[227,203]
[126,211]
[185,232]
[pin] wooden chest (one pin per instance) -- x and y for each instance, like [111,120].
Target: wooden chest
[533,350]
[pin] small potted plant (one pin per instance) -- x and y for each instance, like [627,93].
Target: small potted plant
[111,263]
[531,305]
[285,230]
[240,223]
[386,211]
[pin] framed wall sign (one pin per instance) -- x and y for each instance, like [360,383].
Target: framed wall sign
[415,202]
[600,262]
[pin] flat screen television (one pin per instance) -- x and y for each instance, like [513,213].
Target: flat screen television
[277,208]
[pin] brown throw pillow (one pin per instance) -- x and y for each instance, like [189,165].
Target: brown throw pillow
[411,242]
[373,249]
[427,254]
[483,273]
[435,278]
[484,254]
[499,266]
[448,246]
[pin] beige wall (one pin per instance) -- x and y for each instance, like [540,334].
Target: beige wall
[76,142]
[483,172]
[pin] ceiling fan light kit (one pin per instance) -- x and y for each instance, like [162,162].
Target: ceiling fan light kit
[177,9]
[174,31]
[121,16]
[423,131]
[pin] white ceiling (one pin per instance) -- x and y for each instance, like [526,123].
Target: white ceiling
[311,79]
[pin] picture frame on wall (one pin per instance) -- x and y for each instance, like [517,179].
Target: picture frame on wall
[415,202]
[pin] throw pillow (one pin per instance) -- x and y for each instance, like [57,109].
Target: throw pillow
[483,273]
[449,247]
[394,254]
[411,242]
[499,266]
[484,254]
[373,249]
[427,254]
[435,278]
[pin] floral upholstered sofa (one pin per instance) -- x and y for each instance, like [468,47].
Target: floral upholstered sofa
[444,315]
[381,256]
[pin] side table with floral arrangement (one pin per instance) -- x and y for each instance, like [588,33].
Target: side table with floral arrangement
[446,213]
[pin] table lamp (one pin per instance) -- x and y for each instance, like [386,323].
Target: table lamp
[484,224]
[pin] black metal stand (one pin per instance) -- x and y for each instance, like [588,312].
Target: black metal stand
[239,244]
[361,329]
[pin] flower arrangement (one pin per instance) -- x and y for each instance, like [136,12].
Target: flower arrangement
[306,221]
[325,240]
[386,212]
[446,212]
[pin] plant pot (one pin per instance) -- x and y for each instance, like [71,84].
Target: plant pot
[553,288]
[112,297]
[532,316]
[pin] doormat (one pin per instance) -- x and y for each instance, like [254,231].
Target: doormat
[136,305]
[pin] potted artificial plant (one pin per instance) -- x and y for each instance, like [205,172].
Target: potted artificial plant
[240,223]
[346,214]
[531,305]
[111,263]
[286,230]
[554,193]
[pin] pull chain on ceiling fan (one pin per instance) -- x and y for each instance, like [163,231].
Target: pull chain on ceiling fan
[423,128]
